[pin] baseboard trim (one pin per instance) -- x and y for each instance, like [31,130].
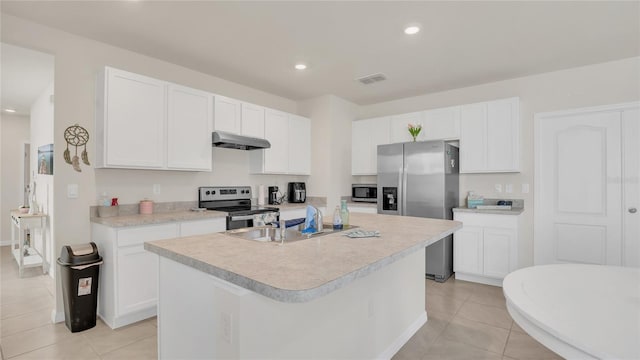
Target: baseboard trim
[128,319]
[57,316]
[395,346]
[479,279]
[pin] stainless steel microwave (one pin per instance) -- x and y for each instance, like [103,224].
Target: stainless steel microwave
[364,192]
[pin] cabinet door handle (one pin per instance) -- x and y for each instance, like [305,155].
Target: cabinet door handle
[632,210]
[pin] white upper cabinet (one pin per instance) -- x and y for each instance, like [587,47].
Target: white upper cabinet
[130,121]
[366,135]
[189,125]
[490,137]
[299,145]
[227,115]
[441,124]
[290,152]
[252,123]
[399,130]
[274,160]
[145,123]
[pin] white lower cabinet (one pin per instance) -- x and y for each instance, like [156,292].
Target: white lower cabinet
[128,284]
[485,250]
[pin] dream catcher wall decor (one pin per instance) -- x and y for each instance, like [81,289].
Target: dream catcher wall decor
[76,136]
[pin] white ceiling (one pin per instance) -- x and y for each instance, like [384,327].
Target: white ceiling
[257,43]
[25,75]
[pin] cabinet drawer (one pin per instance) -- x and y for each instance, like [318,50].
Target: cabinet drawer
[138,235]
[487,220]
[200,227]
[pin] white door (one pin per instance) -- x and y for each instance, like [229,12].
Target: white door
[631,183]
[467,250]
[137,279]
[299,145]
[276,130]
[441,123]
[473,138]
[496,252]
[399,131]
[136,120]
[227,115]
[252,120]
[189,126]
[578,212]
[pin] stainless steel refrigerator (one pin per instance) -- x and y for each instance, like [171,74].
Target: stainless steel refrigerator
[421,179]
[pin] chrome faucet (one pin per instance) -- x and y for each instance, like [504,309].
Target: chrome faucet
[318,219]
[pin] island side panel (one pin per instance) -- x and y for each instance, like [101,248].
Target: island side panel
[200,316]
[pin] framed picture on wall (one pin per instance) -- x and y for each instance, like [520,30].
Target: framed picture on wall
[45,159]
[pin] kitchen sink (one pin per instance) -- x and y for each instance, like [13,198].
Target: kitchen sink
[269,233]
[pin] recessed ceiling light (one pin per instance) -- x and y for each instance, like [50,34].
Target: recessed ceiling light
[10,110]
[410,30]
[300,66]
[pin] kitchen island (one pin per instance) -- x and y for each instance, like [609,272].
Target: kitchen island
[326,297]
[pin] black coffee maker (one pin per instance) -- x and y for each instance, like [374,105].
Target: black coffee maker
[297,192]
[273,195]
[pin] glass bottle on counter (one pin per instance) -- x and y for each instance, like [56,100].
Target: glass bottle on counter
[337,219]
[344,213]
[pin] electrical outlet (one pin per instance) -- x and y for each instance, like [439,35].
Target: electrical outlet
[525,188]
[227,327]
[498,188]
[72,191]
[508,188]
[156,189]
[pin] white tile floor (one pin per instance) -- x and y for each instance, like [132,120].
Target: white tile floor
[466,321]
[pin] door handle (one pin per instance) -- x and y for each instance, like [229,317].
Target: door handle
[400,192]
[404,193]
[632,210]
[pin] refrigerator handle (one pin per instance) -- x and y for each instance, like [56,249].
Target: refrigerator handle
[400,192]
[404,193]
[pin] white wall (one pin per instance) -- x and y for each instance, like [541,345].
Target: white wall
[42,134]
[14,133]
[607,83]
[331,119]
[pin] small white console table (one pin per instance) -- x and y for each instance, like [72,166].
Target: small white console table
[28,256]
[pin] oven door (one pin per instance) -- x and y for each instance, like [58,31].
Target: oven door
[245,221]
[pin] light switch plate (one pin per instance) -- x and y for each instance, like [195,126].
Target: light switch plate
[508,188]
[525,188]
[72,191]
[156,189]
[498,188]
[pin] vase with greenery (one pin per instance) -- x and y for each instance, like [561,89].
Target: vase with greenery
[414,130]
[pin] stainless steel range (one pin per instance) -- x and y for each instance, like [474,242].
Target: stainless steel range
[236,201]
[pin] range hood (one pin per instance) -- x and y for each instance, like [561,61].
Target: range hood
[227,140]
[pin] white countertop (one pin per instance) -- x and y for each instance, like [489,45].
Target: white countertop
[579,311]
[303,270]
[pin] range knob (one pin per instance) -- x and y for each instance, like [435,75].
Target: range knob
[208,192]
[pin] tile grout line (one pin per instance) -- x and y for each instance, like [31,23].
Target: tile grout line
[471,345]
[118,348]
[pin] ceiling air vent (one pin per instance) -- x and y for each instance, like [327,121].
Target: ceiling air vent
[373,78]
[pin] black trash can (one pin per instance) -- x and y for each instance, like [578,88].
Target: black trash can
[79,270]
